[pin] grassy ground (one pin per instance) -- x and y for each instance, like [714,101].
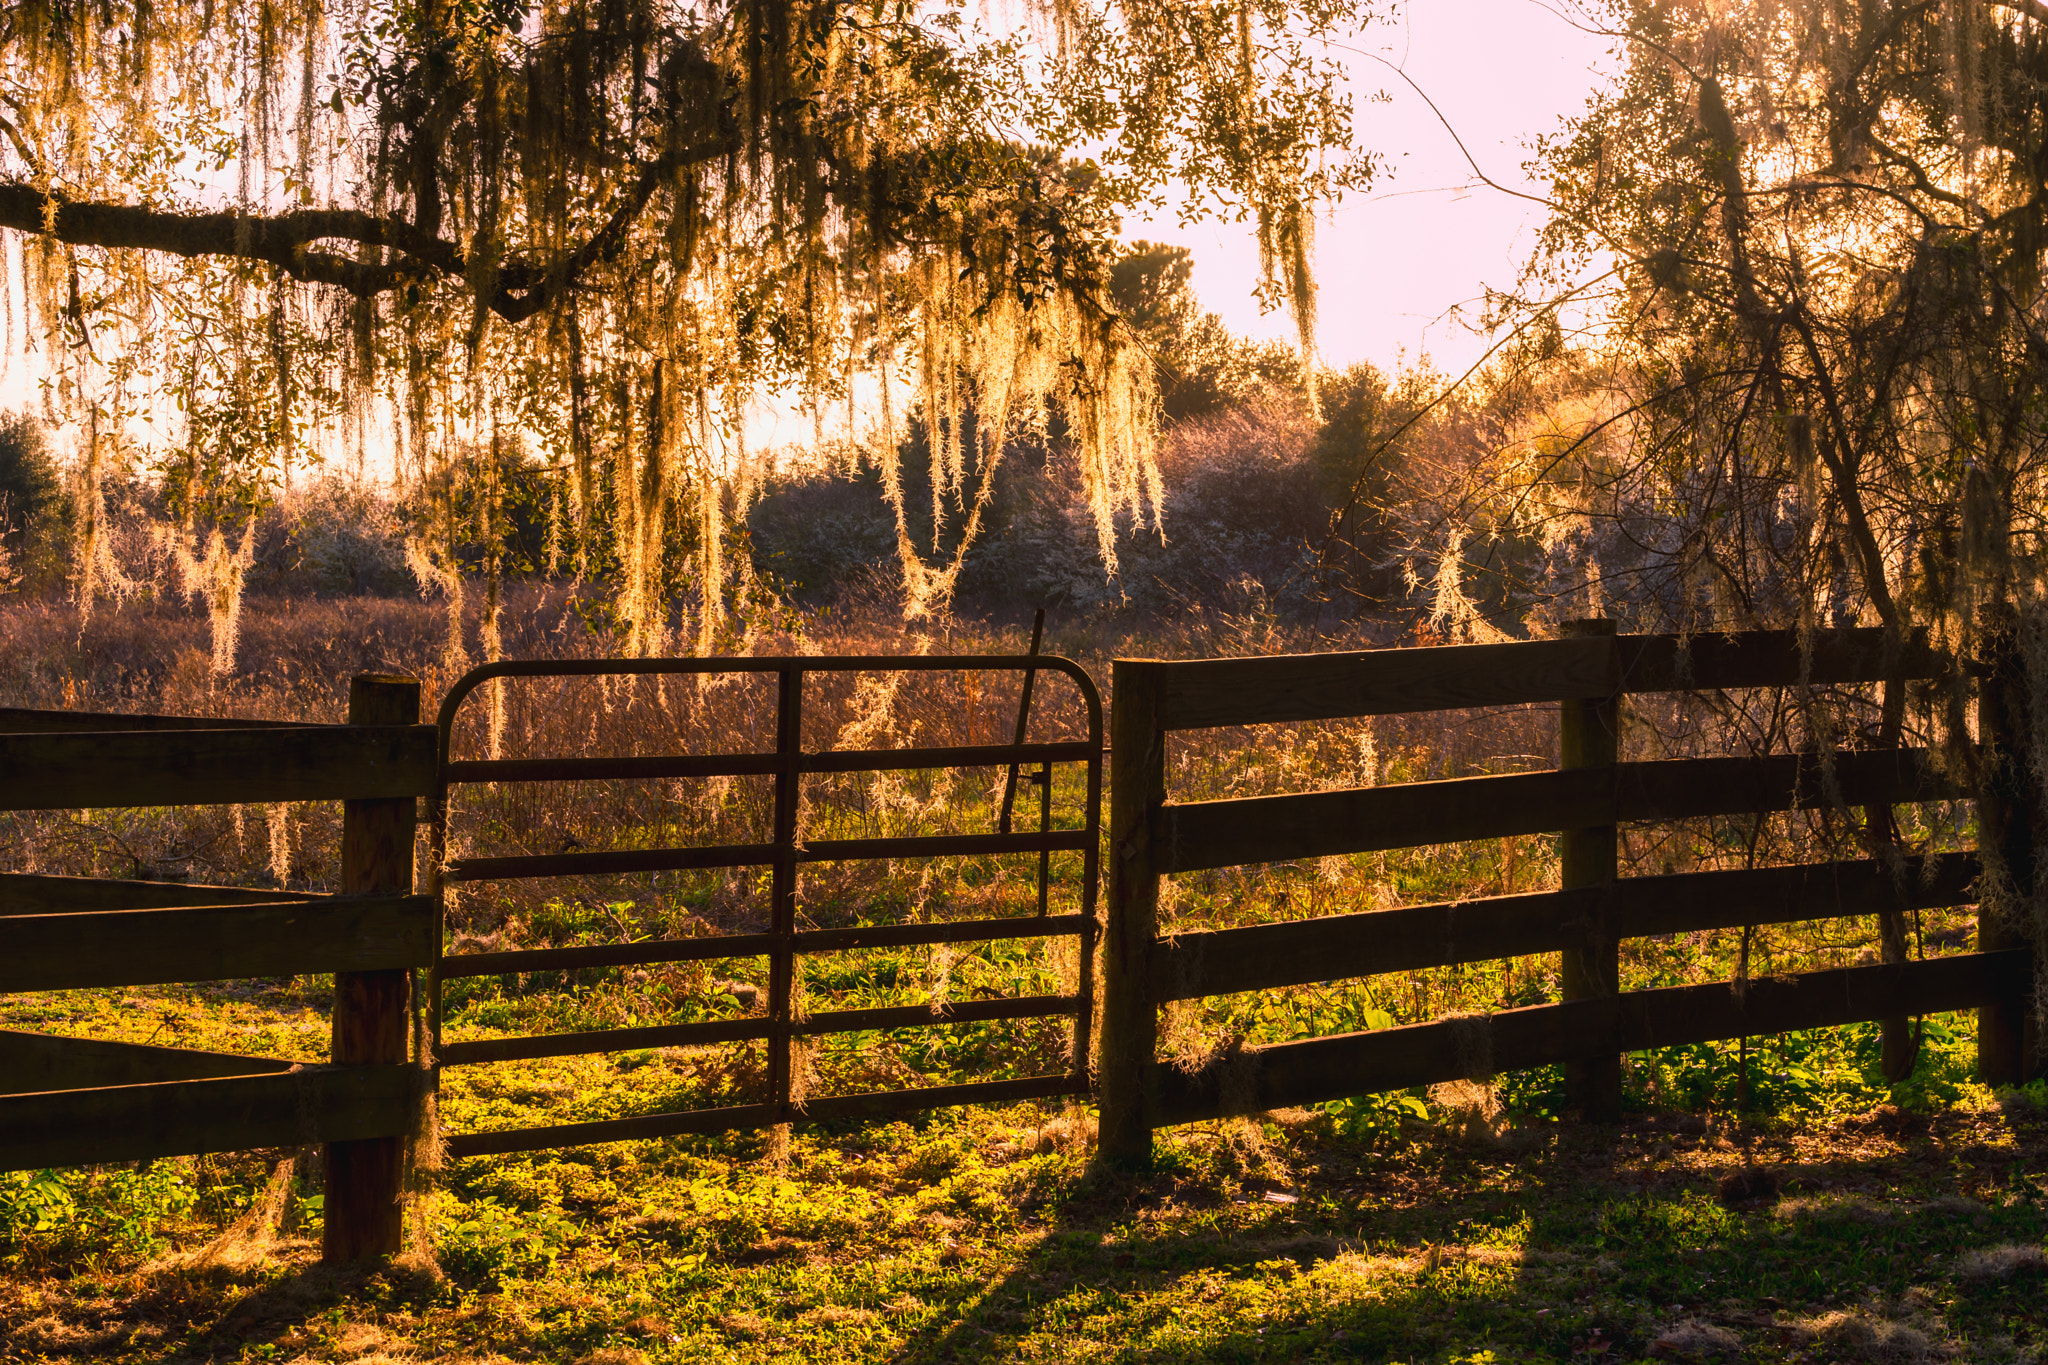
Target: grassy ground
[1841,1219]
[981,1235]
[1407,1228]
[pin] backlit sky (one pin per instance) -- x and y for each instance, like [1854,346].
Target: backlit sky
[1397,264]
[1394,263]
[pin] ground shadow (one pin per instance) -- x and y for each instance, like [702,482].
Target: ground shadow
[1889,1237]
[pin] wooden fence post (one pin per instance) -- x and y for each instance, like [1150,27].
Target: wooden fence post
[789,778]
[1589,736]
[365,1176]
[1130,1022]
[2005,831]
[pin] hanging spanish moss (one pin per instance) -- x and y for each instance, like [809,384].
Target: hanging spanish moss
[617,228]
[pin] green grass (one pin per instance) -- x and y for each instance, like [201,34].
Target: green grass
[981,1235]
[1383,1228]
[1369,1231]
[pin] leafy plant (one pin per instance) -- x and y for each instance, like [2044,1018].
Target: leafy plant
[488,1242]
[49,1214]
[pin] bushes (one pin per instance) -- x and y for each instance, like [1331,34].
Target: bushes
[1243,513]
[337,537]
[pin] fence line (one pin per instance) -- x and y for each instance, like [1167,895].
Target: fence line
[68,1101]
[1583,800]
[71,1100]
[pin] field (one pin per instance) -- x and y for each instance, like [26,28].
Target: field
[1775,1200]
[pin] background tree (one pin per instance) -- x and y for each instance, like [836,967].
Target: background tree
[613,228]
[33,507]
[1202,366]
[1814,391]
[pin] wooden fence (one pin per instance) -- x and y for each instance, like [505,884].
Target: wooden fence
[67,1101]
[1583,801]
[782,854]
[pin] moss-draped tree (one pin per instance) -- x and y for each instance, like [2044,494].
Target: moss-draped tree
[1786,360]
[607,226]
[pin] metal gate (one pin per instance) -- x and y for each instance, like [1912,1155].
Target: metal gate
[783,854]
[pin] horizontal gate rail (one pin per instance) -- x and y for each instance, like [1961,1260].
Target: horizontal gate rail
[1583,801]
[529,1047]
[641,954]
[752,1029]
[214,942]
[873,1105]
[757,855]
[647,952]
[760,765]
[1286,1074]
[784,944]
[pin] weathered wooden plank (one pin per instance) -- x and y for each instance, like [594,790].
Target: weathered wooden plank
[20,720]
[1772,658]
[1202,834]
[1348,1064]
[213,942]
[1677,789]
[31,1062]
[1301,687]
[184,1118]
[1191,836]
[1331,947]
[26,893]
[213,767]
[1294,687]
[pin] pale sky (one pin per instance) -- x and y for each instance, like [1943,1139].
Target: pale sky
[1394,263]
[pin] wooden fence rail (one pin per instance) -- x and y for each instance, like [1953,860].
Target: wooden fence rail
[64,1101]
[1583,800]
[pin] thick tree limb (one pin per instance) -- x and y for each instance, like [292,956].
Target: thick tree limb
[287,240]
[281,239]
